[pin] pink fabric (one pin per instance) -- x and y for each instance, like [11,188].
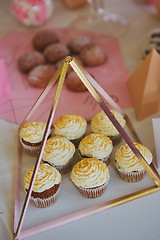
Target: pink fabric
[112,77]
[4,84]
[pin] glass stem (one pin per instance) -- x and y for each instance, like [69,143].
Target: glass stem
[96,7]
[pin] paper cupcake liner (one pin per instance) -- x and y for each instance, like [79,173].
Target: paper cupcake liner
[116,139]
[77,141]
[106,160]
[31,150]
[134,176]
[93,192]
[63,169]
[44,202]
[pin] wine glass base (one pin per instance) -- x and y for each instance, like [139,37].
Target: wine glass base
[107,23]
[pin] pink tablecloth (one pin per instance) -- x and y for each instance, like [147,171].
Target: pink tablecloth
[112,76]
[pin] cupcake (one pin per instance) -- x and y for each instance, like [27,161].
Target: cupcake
[128,165]
[31,135]
[46,186]
[71,126]
[59,152]
[100,123]
[96,145]
[91,177]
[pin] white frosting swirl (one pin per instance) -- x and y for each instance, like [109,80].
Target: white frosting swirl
[33,131]
[96,145]
[71,126]
[58,150]
[47,176]
[127,160]
[89,173]
[102,124]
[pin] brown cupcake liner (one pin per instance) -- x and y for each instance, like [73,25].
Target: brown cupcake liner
[106,160]
[134,176]
[45,202]
[77,140]
[63,169]
[31,150]
[116,139]
[93,192]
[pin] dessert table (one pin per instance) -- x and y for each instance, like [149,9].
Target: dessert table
[138,219]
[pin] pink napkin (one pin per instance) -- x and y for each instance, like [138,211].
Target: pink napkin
[112,77]
[4,84]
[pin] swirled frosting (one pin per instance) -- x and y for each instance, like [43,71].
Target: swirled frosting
[58,150]
[33,131]
[127,160]
[96,145]
[100,123]
[47,176]
[89,173]
[71,126]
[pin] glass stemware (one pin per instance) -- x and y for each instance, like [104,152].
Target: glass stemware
[101,20]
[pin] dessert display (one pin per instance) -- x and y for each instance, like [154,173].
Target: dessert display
[46,186]
[97,146]
[40,76]
[71,126]
[88,164]
[91,177]
[31,135]
[59,152]
[100,123]
[49,49]
[128,165]
[92,174]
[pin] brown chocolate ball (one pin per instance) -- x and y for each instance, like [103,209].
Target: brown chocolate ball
[55,52]
[41,75]
[44,38]
[74,83]
[30,60]
[76,44]
[93,55]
